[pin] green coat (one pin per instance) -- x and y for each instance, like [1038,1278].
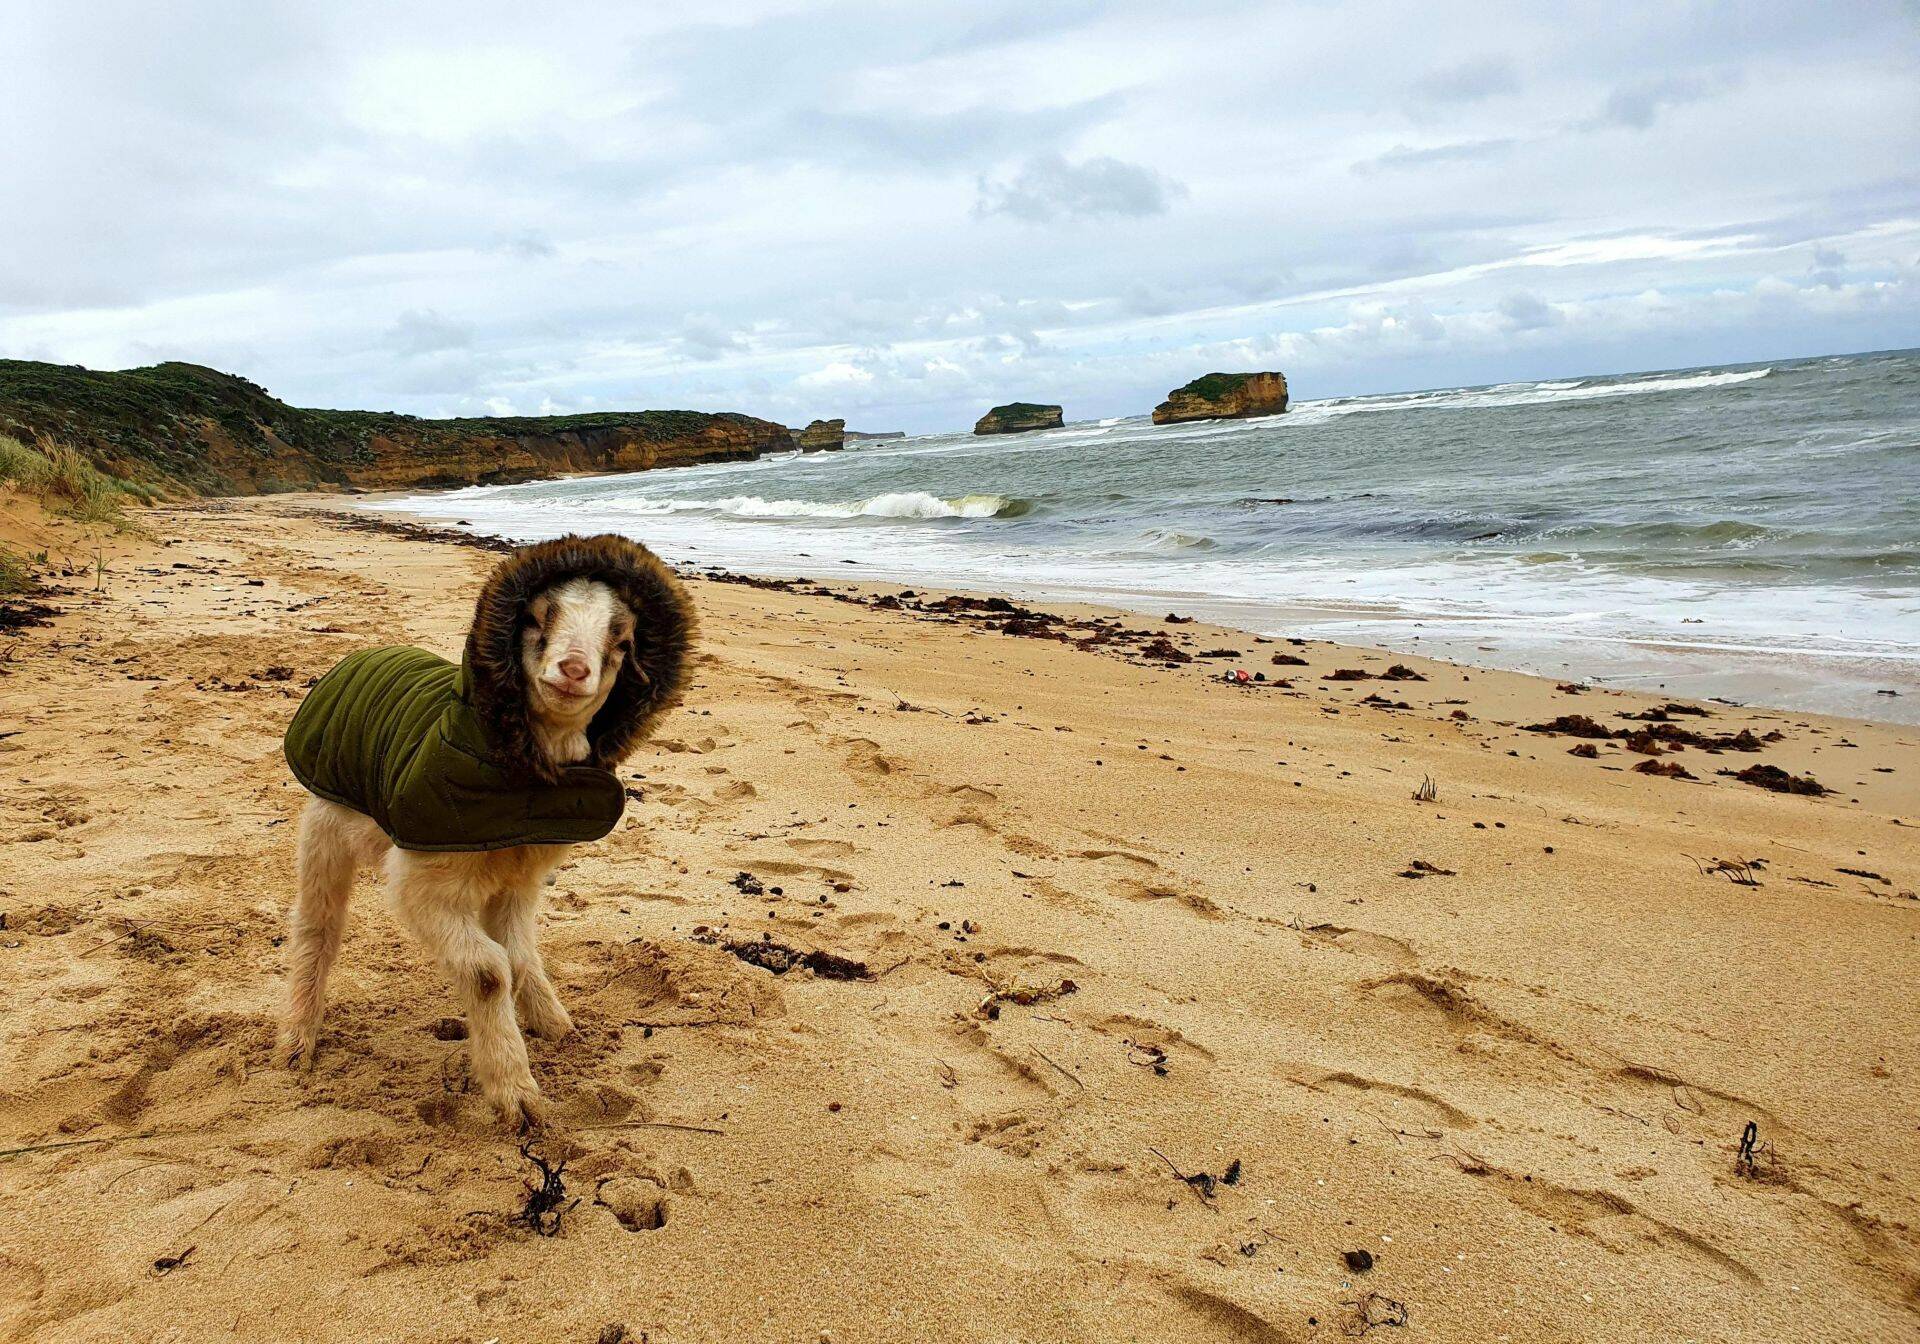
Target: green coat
[445,758]
[391,733]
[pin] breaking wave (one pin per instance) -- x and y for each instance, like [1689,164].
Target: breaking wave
[906,504]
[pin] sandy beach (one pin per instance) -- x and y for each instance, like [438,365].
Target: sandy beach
[1177,1013]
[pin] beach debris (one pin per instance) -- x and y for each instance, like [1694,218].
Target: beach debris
[1428,792]
[615,1332]
[1146,1055]
[1358,1261]
[747,884]
[1753,1152]
[1348,674]
[1288,660]
[546,1203]
[1571,688]
[1202,1183]
[1401,672]
[1165,651]
[1381,702]
[1421,868]
[769,954]
[1740,872]
[1867,873]
[1661,713]
[1650,741]
[1218,653]
[1586,751]
[1773,778]
[1024,995]
[1670,769]
[166,1264]
[1174,619]
[1371,1311]
[1572,725]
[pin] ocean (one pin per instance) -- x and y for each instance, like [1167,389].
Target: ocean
[1750,532]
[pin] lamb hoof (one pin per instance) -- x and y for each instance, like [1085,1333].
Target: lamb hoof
[524,1111]
[297,1047]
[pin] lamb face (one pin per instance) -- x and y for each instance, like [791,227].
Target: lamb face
[576,636]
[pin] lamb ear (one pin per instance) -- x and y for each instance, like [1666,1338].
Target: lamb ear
[540,609]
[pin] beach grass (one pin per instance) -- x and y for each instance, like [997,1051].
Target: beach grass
[66,484]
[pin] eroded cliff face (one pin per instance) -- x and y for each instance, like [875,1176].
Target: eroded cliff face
[182,429]
[1016,417]
[474,454]
[1224,396]
[822,436]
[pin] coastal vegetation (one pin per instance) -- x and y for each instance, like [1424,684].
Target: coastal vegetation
[1017,417]
[178,429]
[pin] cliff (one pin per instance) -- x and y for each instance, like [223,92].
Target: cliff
[828,436]
[180,428]
[858,435]
[1017,417]
[1224,396]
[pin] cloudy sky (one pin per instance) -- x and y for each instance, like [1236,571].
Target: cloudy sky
[903,213]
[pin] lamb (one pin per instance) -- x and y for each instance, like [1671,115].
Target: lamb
[466,786]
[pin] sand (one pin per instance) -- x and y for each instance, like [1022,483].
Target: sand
[1123,924]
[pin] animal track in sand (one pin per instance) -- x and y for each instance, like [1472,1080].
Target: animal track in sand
[1459,1009]
[1226,1319]
[1133,889]
[1146,1038]
[675,985]
[1362,942]
[1438,1113]
[838,849]
[1610,1219]
[1127,855]
[863,756]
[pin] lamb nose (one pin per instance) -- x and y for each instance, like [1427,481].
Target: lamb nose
[574,668]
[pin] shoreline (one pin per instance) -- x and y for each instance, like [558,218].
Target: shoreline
[1120,924]
[1739,676]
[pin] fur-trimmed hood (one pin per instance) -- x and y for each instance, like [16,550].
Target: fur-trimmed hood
[652,675]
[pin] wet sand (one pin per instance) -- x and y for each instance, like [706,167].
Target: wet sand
[1127,931]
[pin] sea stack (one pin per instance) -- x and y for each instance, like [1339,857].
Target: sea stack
[1016,417]
[1224,396]
[822,436]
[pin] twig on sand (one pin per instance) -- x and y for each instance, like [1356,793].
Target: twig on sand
[1428,791]
[1202,1183]
[656,1124]
[1063,1073]
[88,1143]
[133,926]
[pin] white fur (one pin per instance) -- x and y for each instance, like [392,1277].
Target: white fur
[475,912]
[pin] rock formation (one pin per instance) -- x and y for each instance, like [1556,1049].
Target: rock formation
[183,429]
[1224,396]
[1017,417]
[828,436]
[857,435]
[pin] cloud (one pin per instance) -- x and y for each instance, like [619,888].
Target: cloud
[1639,105]
[1468,81]
[1522,311]
[703,336]
[1465,151]
[424,331]
[1048,187]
